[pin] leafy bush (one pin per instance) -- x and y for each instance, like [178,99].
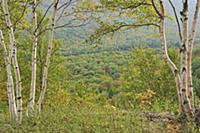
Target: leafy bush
[146,70]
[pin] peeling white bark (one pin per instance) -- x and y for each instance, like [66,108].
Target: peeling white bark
[10,85]
[34,60]
[14,59]
[189,53]
[166,57]
[48,57]
[184,62]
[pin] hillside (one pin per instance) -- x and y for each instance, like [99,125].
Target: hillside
[74,38]
[80,67]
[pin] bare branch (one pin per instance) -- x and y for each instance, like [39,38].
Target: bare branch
[156,9]
[22,15]
[195,21]
[138,5]
[42,19]
[67,25]
[177,20]
[72,26]
[64,6]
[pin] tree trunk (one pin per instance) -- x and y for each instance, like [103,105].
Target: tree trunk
[14,59]
[10,85]
[166,56]
[49,52]
[34,60]
[189,54]
[184,63]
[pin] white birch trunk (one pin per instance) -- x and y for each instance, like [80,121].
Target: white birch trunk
[166,58]
[189,54]
[14,59]
[10,85]
[34,60]
[183,51]
[48,57]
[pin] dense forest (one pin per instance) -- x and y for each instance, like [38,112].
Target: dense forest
[100,66]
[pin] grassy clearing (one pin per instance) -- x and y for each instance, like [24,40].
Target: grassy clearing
[76,115]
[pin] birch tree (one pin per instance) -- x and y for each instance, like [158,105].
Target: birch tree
[34,58]
[190,47]
[60,12]
[15,24]
[13,56]
[48,57]
[183,51]
[165,55]
[184,76]
[10,85]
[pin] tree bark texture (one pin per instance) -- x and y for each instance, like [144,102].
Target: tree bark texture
[34,59]
[14,59]
[48,57]
[10,85]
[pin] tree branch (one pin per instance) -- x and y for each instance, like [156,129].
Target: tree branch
[177,20]
[64,6]
[67,25]
[42,19]
[156,9]
[22,15]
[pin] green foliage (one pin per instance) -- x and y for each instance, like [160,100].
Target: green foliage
[121,15]
[146,70]
[101,88]
[24,53]
[76,115]
[103,92]
[121,78]
[196,70]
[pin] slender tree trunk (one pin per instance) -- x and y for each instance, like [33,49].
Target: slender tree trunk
[34,60]
[184,63]
[14,59]
[49,52]
[10,85]
[189,54]
[166,56]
